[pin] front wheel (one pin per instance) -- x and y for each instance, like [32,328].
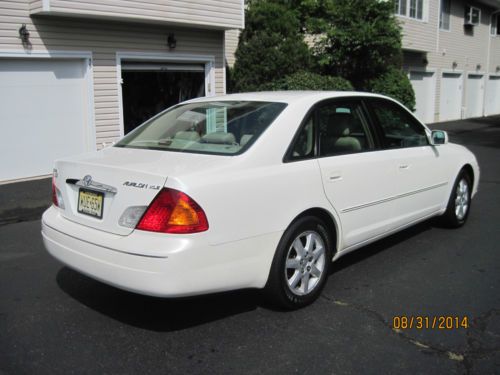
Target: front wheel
[459,203]
[301,264]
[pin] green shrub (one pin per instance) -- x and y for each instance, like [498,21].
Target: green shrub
[308,81]
[396,84]
[358,39]
[270,47]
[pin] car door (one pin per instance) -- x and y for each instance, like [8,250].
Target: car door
[421,180]
[357,178]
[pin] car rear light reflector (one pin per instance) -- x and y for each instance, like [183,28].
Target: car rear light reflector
[57,198]
[172,211]
[131,216]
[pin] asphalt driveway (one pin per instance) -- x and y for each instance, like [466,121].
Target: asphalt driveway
[56,321]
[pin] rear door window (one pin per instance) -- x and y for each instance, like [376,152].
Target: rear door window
[343,128]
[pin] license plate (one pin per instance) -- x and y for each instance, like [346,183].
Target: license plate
[90,202]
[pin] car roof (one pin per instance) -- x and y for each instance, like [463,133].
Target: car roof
[285,96]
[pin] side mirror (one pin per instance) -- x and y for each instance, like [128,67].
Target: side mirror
[439,137]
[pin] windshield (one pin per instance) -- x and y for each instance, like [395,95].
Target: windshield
[224,127]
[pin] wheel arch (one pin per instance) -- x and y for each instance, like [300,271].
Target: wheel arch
[468,168]
[331,223]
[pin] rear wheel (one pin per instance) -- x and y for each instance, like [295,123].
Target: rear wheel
[301,264]
[459,203]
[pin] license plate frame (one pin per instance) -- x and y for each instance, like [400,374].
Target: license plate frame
[89,211]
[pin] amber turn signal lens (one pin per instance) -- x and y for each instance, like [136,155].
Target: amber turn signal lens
[183,214]
[172,211]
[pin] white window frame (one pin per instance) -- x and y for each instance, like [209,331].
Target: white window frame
[495,19]
[441,28]
[425,10]
[207,60]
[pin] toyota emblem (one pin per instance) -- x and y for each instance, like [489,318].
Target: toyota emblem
[87,180]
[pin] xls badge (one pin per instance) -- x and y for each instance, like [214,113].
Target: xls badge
[141,185]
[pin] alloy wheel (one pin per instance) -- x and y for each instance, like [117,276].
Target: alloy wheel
[305,263]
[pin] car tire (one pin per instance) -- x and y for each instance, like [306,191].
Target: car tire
[458,208]
[301,264]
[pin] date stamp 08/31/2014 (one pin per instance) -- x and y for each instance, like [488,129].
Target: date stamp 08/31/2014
[442,322]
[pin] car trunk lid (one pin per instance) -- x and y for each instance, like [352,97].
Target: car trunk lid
[98,187]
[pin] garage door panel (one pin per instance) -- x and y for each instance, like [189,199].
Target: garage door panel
[44,114]
[474,95]
[423,84]
[450,107]
[492,103]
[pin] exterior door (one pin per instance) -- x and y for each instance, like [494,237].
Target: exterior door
[420,175]
[474,96]
[356,177]
[450,107]
[423,84]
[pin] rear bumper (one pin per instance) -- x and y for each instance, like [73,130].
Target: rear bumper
[162,265]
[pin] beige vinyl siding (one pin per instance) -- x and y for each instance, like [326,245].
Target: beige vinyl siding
[211,13]
[420,35]
[495,55]
[231,44]
[36,6]
[467,49]
[454,50]
[104,40]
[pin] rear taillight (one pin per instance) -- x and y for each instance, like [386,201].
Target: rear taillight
[172,211]
[57,199]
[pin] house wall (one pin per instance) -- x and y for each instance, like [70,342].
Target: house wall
[212,13]
[104,39]
[495,54]
[231,44]
[467,50]
[420,35]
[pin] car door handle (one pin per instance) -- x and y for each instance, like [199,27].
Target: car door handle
[334,176]
[404,166]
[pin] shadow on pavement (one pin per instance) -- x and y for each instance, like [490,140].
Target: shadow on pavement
[151,313]
[164,315]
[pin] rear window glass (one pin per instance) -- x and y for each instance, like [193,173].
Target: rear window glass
[224,127]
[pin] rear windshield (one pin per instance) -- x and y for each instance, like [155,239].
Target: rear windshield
[207,127]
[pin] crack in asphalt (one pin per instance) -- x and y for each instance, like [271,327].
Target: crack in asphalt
[474,347]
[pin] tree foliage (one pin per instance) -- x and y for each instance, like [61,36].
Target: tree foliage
[358,39]
[308,81]
[394,83]
[350,42]
[270,47]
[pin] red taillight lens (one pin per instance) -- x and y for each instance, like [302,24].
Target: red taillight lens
[54,192]
[172,211]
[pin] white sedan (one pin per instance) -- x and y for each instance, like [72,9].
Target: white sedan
[259,190]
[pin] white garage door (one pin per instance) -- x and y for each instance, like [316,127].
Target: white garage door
[450,107]
[474,95]
[43,114]
[424,87]
[492,104]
